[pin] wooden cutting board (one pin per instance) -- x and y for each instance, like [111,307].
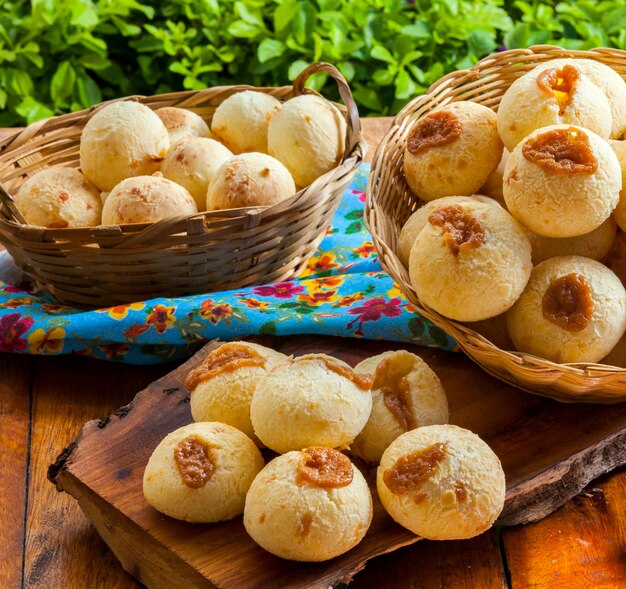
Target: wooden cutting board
[549,452]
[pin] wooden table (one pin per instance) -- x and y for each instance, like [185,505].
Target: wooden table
[48,543]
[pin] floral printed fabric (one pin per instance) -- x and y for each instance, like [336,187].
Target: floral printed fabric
[342,292]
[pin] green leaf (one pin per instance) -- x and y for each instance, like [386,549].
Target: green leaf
[296,68]
[418,30]
[33,110]
[62,83]
[383,54]
[268,328]
[405,86]
[243,30]
[355,227]
[269,49]
[355,215]
[368,97]
[481,42]
[284,14]
[3,98]
[88,91]
[383,77]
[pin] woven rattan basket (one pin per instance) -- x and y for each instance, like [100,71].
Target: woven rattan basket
[218,250]
[390,203]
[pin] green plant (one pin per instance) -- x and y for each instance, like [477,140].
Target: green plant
[61,55]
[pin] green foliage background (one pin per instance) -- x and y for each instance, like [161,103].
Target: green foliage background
[61,55]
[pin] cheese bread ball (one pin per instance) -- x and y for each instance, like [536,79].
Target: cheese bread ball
[249,180]
[59,197]
[181,123]
[619,214]
[223,385]
[241,121]
[552,95]
[573,310]
[311,400]
[452,151]
[192,163]
[123,139]
[609,81]
[470,262]
[442,482]
[201,472]
[308,505]
[406,394]
[146,199]
[594,245]
[416,222]
[308,135]
[562,181]
[493,187]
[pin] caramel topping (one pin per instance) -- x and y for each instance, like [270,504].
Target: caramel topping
[227,358]
[324,467]
[195,461]
[391,380]
[460,230]
[410,471]
[563,151]
[559,83]
[362,381]
[434,130]
[460,490]
[567,302]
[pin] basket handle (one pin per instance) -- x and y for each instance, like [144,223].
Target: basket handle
[354,122]
[9,203]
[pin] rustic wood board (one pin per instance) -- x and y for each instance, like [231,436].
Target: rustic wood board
[549,452]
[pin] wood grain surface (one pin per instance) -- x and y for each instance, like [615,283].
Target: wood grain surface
[546,459]
[584,535]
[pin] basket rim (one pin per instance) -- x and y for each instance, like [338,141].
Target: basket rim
[468,339]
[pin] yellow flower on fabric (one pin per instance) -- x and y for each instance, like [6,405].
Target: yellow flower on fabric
[365,250]
[349,300]
[326,283]
[322,263]
[121,311]
[46,342]
[16,303]
[162,318]
[319,298]
[255,304]
[395,292]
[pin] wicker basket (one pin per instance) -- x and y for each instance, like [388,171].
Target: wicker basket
[390,202]
[217,250]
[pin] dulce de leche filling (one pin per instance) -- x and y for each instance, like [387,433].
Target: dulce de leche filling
[567,302]
[410,471]
[460,230]
[362,381]
[391,380]
[434,130]
[195,461]
[227,358]
[559,83]
[562,151]
[324,467]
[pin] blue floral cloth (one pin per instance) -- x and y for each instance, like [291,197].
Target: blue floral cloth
[342,292]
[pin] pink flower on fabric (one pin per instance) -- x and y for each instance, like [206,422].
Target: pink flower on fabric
[12,327]
[282,290]
[359,194]
[373,310]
